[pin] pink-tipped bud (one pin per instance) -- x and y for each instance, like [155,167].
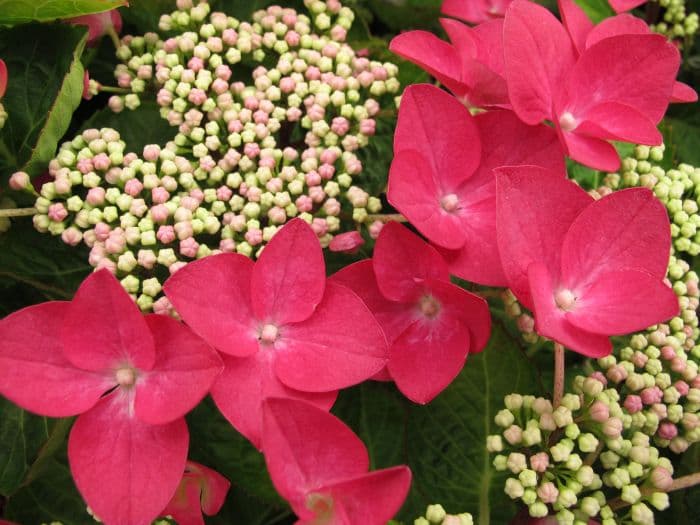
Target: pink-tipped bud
[166,234]
[547,492]
[72,236]
[133,187]
[176,266]
[20,181]
[613,427]
[661,478]
[254,236]
[617,374]
[667,430]
[539,461]
[349,242]
[189,247]
[57,212]
[599,411]
[651,395]
[633,403]
[375,229]
[147,259]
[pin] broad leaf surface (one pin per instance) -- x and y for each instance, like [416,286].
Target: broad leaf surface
[21,11]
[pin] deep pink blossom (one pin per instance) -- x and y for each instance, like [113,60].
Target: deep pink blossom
[442,180]
[431,324]
[202,490]
[3,78]
[475,11]
[349,242]
[283,330]
[321,468]
[617,89]
[131,379]
[99,24]
[587,269]
[471,66]
[584,34]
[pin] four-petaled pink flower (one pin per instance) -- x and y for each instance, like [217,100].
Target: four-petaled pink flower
[587,269]
[442,180]
[202,490]
[321,468]
[617,89]
[475,11]
[283,330]
[131,378]
[99,24]
[3,78]
[431,324]
[471,66]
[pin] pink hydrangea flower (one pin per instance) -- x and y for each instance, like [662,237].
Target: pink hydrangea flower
[130,378]
[3,78]
[202,490]
[475,11]
[99,24]
[431,324]
[585,34]
[587,269]
[471,66]
[442,180]
[349,242]
[617,89]
[282,329]
[321,468]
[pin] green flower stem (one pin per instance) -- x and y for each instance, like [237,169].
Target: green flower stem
[114,37]
[558,374]
[112,89]
[18,212]
[386,217]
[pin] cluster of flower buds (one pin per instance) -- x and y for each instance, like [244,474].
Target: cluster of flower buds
[677,24]
[580,460]
[436,515]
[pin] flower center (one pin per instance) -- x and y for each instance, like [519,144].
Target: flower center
[429,306]
[126,376]
[567,121]
[450,202]
[565,299]
[269,334]
[322,506]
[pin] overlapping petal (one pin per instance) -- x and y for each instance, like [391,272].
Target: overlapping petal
[576,23]
[126,470]
[202,490]
[35,374]
[103,328]
[184,370]
[213,296]
[3,78]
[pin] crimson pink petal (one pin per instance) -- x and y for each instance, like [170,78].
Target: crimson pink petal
[534,210]
[183,373]
[473,11]
[437,57]
[240,389]
[576,23]
[427,356]
[683,93]
[624,24]
[621,302]
[290,275]
[550,321]
[437,126]
[402,260]
[34,373]
[3,78]
[461,36]
[185,507]
[469,309]
[214,487]
[621,6]
[370,499]
[414,191]
[212,295]
[393,317]
[340,345]
[609,72]
[490,45]
[615,121]
[538,55]
[626,229]
[126,470]
[306,447]
[595,153]
[103,328]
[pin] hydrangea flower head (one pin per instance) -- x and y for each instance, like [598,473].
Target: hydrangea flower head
[321,468]
[284,331]
[431,325]
[441,178]
[202,490]
[131,379]
[601,95]
[588,269]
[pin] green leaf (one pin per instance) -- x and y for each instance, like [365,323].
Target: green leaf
[407,14]
[447,438]
[596,10]
[137,128]
[51,497]
[143,15]
[21,11]
[681,136]
[45,85]
[214,443]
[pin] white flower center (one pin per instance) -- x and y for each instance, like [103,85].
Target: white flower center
[429,306]
[126,376]
[565,299]
[568,122]
[269,333]
[450,202]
